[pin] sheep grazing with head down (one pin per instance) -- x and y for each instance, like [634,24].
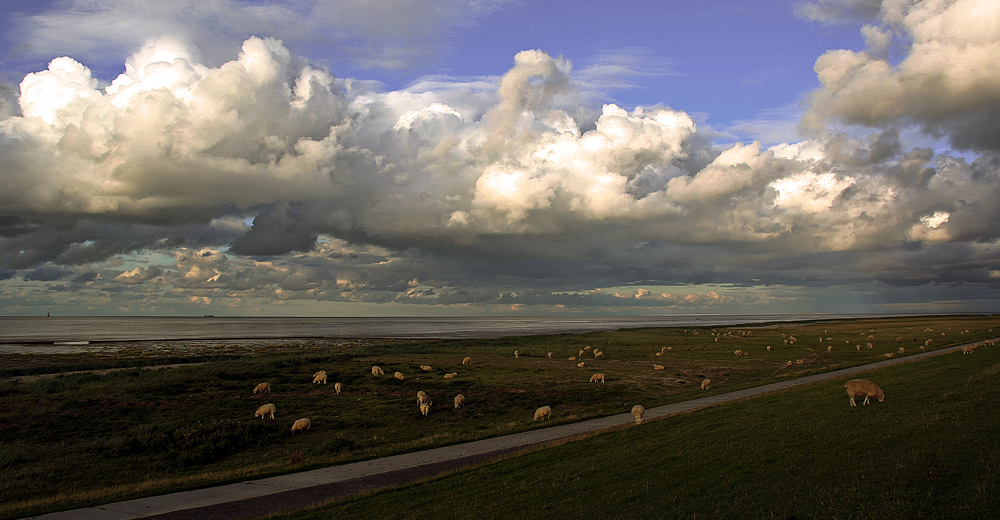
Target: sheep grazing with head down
[263,388]
[425,408]
[426,368]
[637,412]
[706,383]
[544,412]
[516,354]
[266,409]
[377,371]
[658,367]
[459,401]
[968,349]
[399,376]
[320,377]
[467,361]
[301,425]
[597,378]
[863,387]
[338,387]
[422,397]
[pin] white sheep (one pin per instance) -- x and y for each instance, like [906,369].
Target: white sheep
[425,408]
[550,354]
[459,401]
[968,349]
[637,412]
[320,377]
[426,368]
[597,378]
[399,376]
[544,412]
[658,367]
[581,364]
[263,388]
[450,375]
[265,409]
[377,371]
[301,425]
[338,387]
[422,397]
[706,383]
[516,354]
[467,361]
[572,358]
[863,387]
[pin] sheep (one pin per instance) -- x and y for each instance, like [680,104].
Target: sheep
[657,367]
[587,347]
[426,368]
[451,375]
[902,350]
[829,348]
[265,409]
[889,355]
[863,387]
[319,372]
[544,412]
[597,378]
[598,353]
[263,388]
[580,354]
[572,358]
[769,348]
[738,352]
[871,346]
[968,349]
[377,371]
[706,383]
[467,361]
[859,347]
[581,364]
[399,376]
[425,408]
[320,377]
[459,401]
[338,387]
[637,412]
[301,425]
[422,397]
[658,354]
[516,354]
[550,354]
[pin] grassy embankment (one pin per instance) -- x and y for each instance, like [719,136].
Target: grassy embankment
[104,438]
[931,450]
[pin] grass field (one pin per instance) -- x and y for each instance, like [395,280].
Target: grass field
[931,450]
[103,438]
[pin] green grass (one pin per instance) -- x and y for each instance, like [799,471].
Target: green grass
[931,450]
[104,438]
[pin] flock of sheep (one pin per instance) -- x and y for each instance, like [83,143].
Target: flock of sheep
[856,388]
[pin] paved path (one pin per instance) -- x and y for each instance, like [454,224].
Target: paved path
[298,490]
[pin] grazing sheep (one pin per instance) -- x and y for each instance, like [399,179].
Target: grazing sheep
[516,354]
[580,354]
[301,425]
[426,368]
[580,364]
[265,410]
[377,371]
[902,350]
[572,358]
[871,346]
[459,401]
[927,343]
[319,372]
[319,378]
[863,387]
[451,375]
[467,361]
[829,348]
[859,347]
[544,412]
[597,378]
[658,354]
[550,354]
[738,352]
[263,388]
[425,408]
[587,347]
[422,397]
[399,376]
[968,349]
[598,353]
[706,383]
[657,367]
[889,355]
[922,348]
[769,348]
[637,412]
[338,387]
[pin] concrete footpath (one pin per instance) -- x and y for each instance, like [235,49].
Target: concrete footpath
[298,490]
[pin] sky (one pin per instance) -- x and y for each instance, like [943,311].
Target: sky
[492,157]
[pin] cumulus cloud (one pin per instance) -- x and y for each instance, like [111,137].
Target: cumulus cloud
[945,81]
[266,178]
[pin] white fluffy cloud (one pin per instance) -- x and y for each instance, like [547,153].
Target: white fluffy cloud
[264,177]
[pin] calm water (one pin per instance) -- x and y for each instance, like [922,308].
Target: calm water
[43,330]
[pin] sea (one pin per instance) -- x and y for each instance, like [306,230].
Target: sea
[65,330]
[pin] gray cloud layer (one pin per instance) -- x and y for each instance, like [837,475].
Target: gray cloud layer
[510,191]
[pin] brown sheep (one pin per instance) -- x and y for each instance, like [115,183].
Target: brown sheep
[597,378]
[706,383]
[863,387]
[467,361]
[320,377]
